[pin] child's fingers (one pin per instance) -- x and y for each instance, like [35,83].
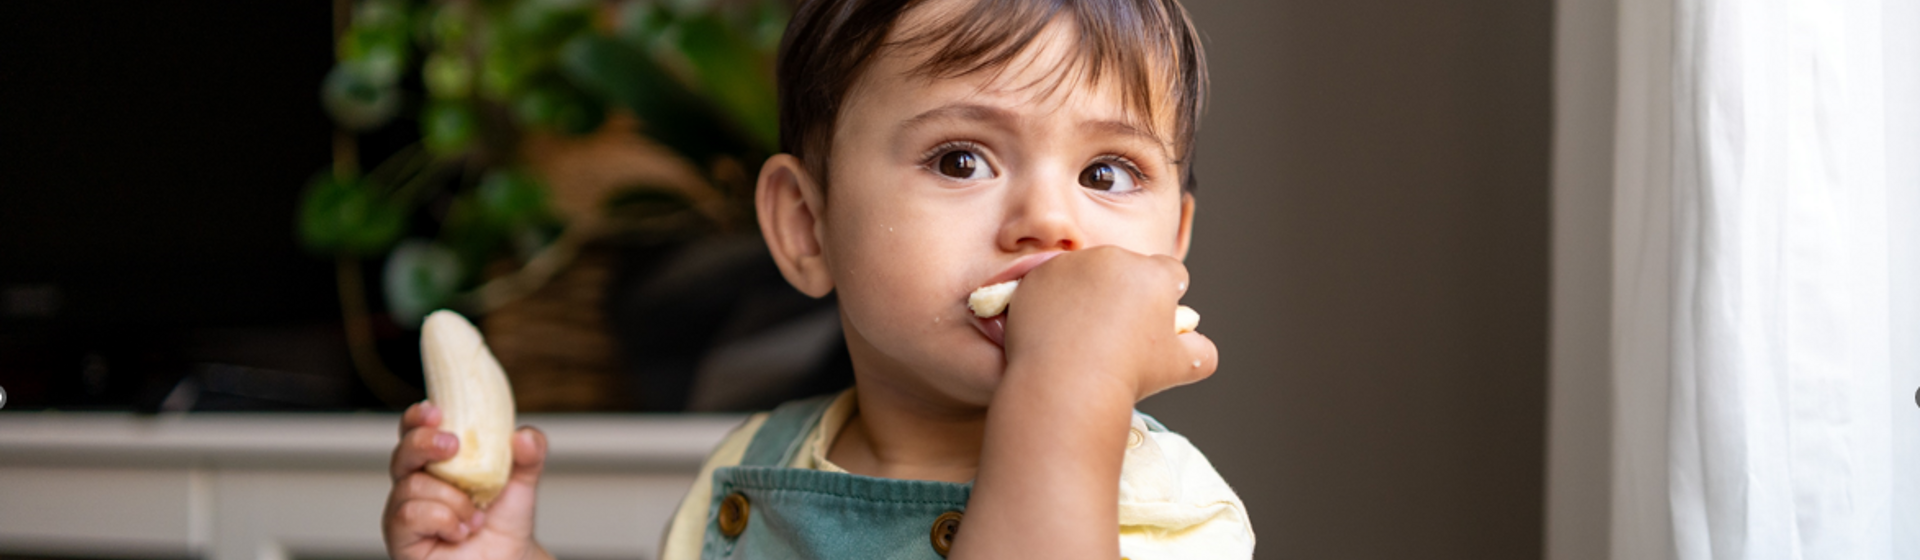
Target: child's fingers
[1177,271]
[421,446]
[423,486]
[1199,362]
[428,518]
[1206,356]
[512,513]
[422,413]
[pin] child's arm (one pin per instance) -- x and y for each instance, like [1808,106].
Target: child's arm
[1087,339]
[428,519]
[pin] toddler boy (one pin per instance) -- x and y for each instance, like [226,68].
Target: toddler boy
[933,147]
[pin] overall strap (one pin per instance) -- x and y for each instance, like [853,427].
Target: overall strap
[784,431]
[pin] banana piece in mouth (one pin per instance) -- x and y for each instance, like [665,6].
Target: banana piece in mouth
[476,404]
[992,300]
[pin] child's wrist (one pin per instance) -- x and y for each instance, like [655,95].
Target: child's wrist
[1079,381]
[535,551]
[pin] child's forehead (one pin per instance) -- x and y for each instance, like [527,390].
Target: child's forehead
[1049,78]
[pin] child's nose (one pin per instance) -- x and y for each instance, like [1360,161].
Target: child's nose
[1041,215]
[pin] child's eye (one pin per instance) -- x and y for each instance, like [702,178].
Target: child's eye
[1107,176]
[963,164]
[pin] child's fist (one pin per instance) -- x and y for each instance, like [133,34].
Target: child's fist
[428,519]
[1105,311]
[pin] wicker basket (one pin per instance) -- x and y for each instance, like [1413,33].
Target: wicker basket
[555,344]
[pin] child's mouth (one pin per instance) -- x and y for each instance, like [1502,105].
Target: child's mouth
[994,328]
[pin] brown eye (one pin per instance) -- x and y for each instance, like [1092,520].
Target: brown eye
[1103,176]
[961,164]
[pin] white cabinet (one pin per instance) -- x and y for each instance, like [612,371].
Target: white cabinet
[290,486]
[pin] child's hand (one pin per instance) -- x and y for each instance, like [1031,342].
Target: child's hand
[1088,335]
[1104,312]
[428,519]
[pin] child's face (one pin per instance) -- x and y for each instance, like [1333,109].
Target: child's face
[940,187]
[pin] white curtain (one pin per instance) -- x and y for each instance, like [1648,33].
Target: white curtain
[1765,334]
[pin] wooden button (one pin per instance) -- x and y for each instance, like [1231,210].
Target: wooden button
[733,515]
[944,529]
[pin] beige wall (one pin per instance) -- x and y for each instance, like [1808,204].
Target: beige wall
[1579,431]
[1372,258]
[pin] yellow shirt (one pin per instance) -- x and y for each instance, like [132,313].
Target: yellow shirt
[1172,503]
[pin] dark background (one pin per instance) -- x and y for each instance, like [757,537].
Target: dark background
[155,153]
[1371,249]
[1371,255]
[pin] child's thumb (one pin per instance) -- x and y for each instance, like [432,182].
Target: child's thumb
[512,513]
[529,455]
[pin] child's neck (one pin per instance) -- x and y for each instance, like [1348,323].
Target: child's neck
[892,435]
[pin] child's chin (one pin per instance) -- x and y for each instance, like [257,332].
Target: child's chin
[975,375]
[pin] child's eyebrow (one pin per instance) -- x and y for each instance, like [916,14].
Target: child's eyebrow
[1003,118]
[1127,129]
[963,112]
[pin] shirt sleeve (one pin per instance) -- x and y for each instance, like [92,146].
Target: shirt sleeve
[1174,505]
[688,528]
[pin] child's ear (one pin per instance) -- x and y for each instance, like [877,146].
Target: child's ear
[790,206]
[1185,239]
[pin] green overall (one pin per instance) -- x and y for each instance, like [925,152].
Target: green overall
[794,513]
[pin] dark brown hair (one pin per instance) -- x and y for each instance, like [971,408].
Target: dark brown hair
[1148,46]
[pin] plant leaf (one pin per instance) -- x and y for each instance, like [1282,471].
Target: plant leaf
[356,99]
[448,75]
[378,37]
[642,22]
[449,127]
[420,276]
[512,199]
[733,72]
[340,215]
[557,105]
[470,233]
[450,24]
[545,23]
[668,111]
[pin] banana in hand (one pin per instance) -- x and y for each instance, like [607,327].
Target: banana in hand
[476,404]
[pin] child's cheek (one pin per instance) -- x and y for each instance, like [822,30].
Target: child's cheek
[906,269]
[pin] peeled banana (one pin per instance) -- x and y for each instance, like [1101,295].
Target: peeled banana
[992,300]
[1185,319]
[476,404]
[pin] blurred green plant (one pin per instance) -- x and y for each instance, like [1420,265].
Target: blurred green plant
[457,217]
